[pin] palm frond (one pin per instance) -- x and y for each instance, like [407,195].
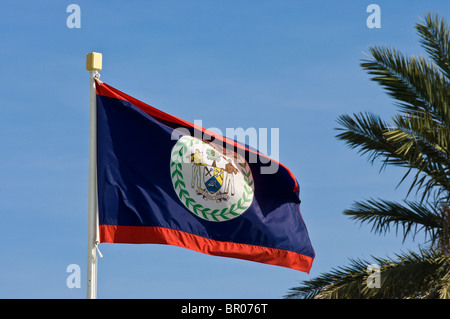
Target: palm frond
[435,39]
[417,85]
[444,283]
[416,143]
[424,144]
[400,145]
[365,131]
[410,275]
[340,282]
[411,217]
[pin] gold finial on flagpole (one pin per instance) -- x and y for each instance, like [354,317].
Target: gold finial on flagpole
[94,61]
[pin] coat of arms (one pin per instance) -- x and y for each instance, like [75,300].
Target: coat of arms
[212,184]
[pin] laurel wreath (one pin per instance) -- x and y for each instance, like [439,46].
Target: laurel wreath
[224,214]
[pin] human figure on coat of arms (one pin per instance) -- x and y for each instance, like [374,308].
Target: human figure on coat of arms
[197,159]
[229,179]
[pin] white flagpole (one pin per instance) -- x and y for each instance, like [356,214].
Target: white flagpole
[93,65]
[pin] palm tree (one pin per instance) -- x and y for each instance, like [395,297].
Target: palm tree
[417,138]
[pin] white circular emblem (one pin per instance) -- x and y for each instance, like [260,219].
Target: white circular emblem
[212,185]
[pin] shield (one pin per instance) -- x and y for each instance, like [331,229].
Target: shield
[213,178]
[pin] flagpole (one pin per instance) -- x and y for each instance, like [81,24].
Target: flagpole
[93,65]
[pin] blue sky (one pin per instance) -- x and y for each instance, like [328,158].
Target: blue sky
[292,65]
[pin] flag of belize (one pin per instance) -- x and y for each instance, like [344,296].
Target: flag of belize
[163,180]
